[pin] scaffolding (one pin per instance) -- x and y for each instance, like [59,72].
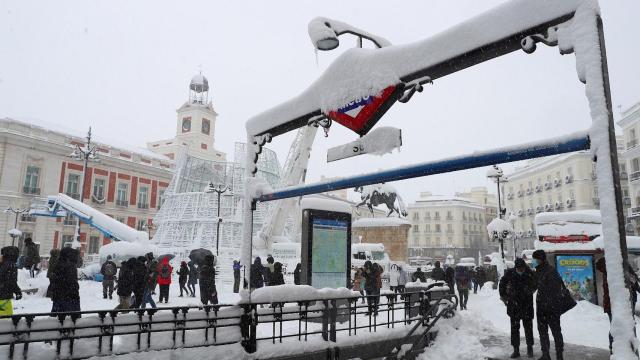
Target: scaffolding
[188,217]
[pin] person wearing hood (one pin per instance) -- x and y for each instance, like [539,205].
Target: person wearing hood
[449,278]
[64,282]
[193,278]
[256,274]
[277,278]
[296,274]
[54,254]
[164,279]
[208,293]
[139,272]
[268,270]
[437,273]
[183,274]
[236,276]
[516,291]
[125,284]
[32,256]
[8,279]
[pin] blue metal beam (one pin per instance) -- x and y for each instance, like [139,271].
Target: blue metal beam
[554,146]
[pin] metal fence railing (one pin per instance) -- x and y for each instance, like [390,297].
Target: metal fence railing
[78,335]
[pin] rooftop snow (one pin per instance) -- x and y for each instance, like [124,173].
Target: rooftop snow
[379,222]
[359,72]
[325,204]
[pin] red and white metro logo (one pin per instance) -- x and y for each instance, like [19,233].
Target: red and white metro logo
[362,114]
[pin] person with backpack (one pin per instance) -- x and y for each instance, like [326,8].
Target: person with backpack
[139,270]
[236,276]
[8,279]
[193,278]
[65,290]
[125,284]
[32,256]
[463,282]
[164,279]
[108,271]
[208,293]
[183,274]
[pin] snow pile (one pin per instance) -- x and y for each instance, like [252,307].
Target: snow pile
[499,226]
[380,222]
[287,293]
[256,187]
[583,222]
[121,250]
[458,339]
[315,203]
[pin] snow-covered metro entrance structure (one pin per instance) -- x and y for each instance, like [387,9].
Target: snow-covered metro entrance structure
[365,83]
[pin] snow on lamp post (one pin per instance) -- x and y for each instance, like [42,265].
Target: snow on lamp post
[512,221]
[495,173]
[85,153]
[324,34]
[500,230]
[14,233]
[218,189]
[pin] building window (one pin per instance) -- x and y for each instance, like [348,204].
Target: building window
[427,215]
[416,229]
[416,216]
[449,215]
[67,240]
[160,198]
[449,228]
[186,124]
[31,180]
[94,244]
[437,216]
[143,197]
[122,194]
[69,220]
[97,195]
[206,126]
[121,219]
[73,185]
[438,229]
[141,225]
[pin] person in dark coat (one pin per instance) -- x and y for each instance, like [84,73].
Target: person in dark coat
[370,286]
[108,271]
[139,280]
[449,278]
[193,278]
[208,293]
[296,274]
[548,304]
[268,270]
[64,282]
[463,282]
[419,275]
[8,279]
[516,291]
[256,275]
[152,272]
[183,275]
[481,278]
[277,278]
[32,256]
[236,276]
[125,284]
[54,254]
[437,273]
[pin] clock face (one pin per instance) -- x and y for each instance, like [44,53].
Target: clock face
[186,125]
[206,126]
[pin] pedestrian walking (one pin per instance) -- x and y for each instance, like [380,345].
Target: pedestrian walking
[296,274]
[370,286]
[8,279]
[481,278]
[183,275]
[449,278]
[139,270]
[150,282]
[393,278]
[358,282]
[474,280]
[32,256]
[419,275]
[463,280]
[208,293]
[152,272]
[516,291]
[277,278]
[437,273]
[64,286]
[256,275]
[236,276]
[193,278]
[268,270]
[108,271]
[54,254]
[552,301]
[403,279]
[164,279]
[125,284]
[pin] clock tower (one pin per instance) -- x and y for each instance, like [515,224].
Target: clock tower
[195,126]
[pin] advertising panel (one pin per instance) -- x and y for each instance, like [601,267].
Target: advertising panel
[577,272]
[329,253]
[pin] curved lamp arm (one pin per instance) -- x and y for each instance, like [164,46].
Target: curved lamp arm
[324,34]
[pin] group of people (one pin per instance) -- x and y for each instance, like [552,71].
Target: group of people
[369,279]
[270,274]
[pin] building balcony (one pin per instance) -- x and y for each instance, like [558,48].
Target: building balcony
[26,218]
[624,175]
[123,203]
[70,222]
[450,218]
[632,143]
[30,190]
[596,201]
[634,176]
[143,206]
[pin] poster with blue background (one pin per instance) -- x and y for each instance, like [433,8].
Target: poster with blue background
[577,273]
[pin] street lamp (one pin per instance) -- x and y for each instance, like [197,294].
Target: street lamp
[500,230]
[495,173]
[87,154]
[324,34]
[218,189]
[512,220]
[149,226]
[15,232]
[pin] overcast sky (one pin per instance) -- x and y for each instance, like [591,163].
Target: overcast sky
[124,67]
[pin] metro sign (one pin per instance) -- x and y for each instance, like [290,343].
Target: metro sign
[362,114]
[566,238]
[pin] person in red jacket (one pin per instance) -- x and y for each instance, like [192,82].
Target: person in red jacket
[164,279]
